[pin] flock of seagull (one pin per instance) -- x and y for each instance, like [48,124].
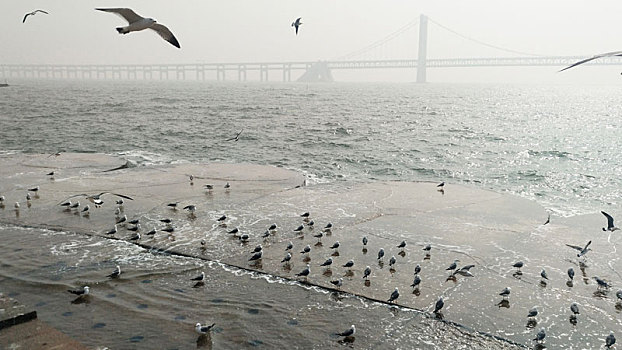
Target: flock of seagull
[137,23]
[307,222]
[307,225]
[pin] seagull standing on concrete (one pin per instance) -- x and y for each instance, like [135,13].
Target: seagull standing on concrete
[80,292]
[367,272]
[394,295]
[136,23]
[571,273]
[505,292]
[611,339]
[575,309]
[540,336]
[350,332]
[439,305]
[203,329]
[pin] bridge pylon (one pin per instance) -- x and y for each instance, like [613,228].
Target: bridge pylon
[423,46]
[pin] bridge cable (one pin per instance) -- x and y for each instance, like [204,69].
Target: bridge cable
[483,43]
[380,42]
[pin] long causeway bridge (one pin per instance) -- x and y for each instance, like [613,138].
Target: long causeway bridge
[301,71]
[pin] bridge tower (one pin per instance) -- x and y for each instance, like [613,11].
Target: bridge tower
[423,45]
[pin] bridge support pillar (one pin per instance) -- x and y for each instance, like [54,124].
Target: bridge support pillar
[423,45]
[318,72]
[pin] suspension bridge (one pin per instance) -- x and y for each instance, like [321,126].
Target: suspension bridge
[309,71]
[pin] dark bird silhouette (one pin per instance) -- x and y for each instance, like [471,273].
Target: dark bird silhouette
[606,54]
[297,24]
[610,226]
[236,137]
[350,332]
[116,273]
[32,14]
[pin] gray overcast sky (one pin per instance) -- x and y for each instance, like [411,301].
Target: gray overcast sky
[259,30]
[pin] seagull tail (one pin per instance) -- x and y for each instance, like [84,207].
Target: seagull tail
[122,30]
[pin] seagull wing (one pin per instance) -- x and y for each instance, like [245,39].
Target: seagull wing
[607,54]
[587,245]
[26,16]
[122,196]
[42,11]
[75,195]
[129,15]
[165,34]
[609,219]
[575,247]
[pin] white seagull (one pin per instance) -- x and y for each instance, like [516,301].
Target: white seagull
[203,329]
[136,23]
[350,332]
[84,291]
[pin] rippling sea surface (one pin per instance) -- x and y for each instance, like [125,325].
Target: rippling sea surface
[557,145]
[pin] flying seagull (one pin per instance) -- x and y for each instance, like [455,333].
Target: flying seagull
[607,54]
[136,23]
[236,137]
[582,250]
[297,24]
[96,198]
[32,14]
[610,226]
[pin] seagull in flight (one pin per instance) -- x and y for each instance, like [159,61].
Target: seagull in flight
[32,14]
[606,54]
[96,198]
[236,138]
[297,24]
[610,226]
[582,250]
[136,23]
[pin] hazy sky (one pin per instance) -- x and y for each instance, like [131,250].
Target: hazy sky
[260,31]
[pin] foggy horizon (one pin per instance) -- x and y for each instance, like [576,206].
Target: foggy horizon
[245,31]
